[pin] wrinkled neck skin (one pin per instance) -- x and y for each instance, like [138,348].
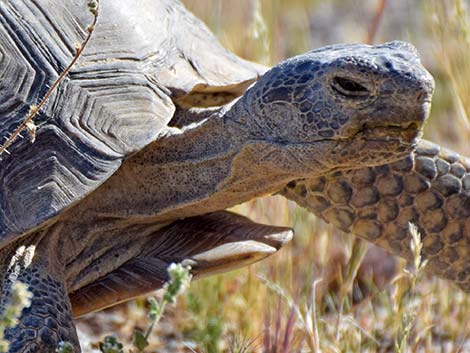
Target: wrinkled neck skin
[209,165]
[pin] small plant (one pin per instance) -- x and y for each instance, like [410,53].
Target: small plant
[177,284]
[404,296]
[111,345]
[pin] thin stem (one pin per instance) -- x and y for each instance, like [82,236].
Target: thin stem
[93,8]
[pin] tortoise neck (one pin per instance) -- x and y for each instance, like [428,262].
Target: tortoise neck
[182,171]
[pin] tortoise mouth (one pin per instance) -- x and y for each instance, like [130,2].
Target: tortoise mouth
[405,133]
[376,144]
[402,133]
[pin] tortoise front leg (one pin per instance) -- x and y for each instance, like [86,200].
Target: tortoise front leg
[47,319]
[210,243]
[430,188]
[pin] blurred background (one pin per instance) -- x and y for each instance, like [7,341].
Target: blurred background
[271,307]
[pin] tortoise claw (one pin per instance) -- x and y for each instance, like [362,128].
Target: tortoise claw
[237,254]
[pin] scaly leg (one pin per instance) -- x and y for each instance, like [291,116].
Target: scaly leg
[430,188]
[209,243]
[47,319]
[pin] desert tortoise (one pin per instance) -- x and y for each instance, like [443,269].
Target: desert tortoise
[144,144]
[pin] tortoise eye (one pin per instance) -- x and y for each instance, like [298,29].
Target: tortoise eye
[348,87]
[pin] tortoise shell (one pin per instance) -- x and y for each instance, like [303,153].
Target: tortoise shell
[117,99]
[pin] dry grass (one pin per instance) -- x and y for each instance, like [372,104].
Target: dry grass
[280,305]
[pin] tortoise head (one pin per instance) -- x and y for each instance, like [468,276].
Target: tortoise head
[342,105]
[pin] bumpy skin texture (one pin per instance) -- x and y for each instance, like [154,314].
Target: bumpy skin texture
[430,188]
[332,92]
[47,319]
